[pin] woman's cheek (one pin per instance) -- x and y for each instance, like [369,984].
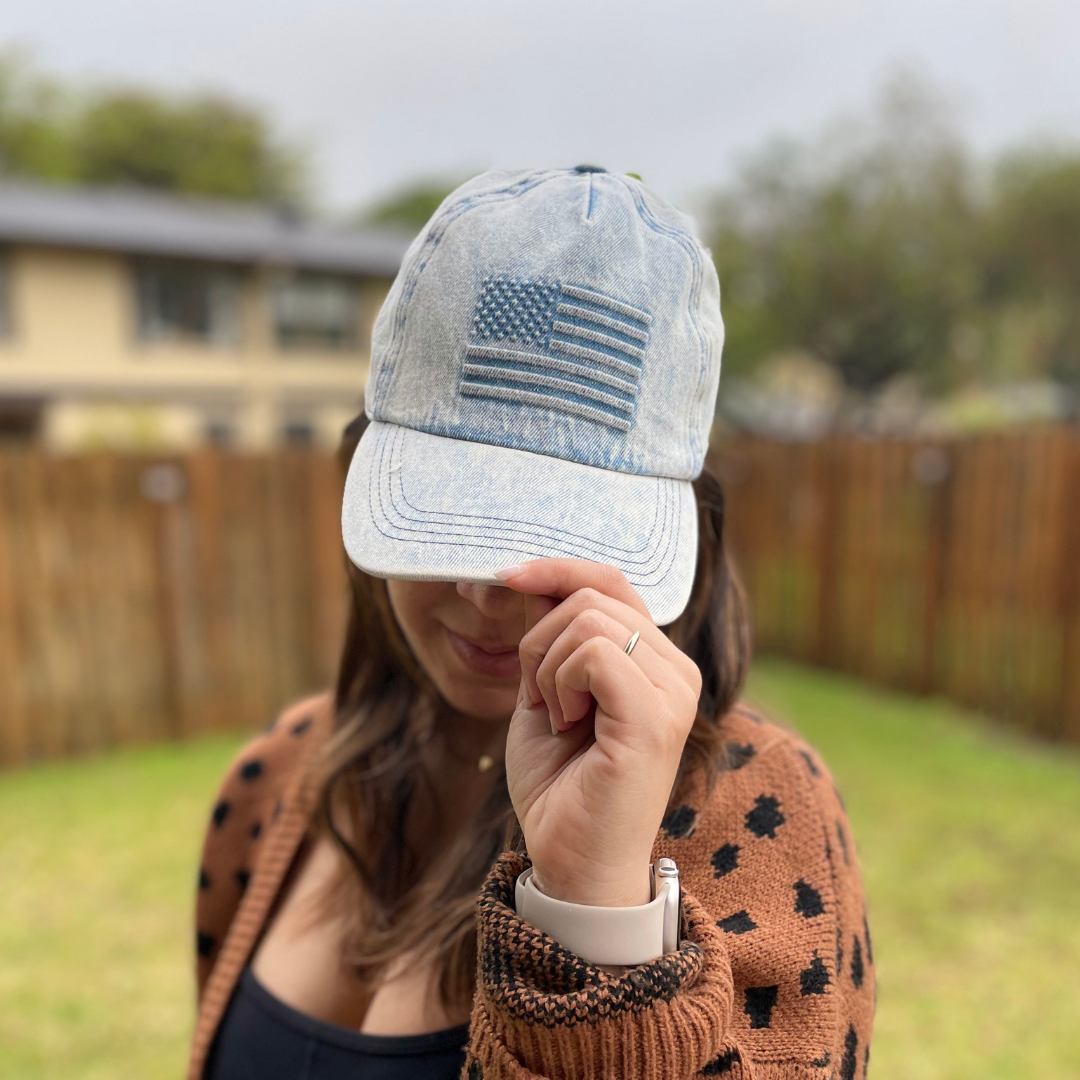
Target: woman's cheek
[414,604]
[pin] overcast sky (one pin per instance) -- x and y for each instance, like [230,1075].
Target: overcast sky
[387,91]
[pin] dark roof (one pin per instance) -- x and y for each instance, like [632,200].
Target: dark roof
[150,223]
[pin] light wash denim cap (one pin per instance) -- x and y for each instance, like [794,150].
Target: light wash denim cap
[543,380]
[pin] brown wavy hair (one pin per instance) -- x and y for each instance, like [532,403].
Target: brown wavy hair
[398,896]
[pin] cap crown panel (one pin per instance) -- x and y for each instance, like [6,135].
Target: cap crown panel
[560,313]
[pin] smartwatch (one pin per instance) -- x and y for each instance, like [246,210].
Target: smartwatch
[624,936]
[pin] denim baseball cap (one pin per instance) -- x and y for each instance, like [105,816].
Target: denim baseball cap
[543,381]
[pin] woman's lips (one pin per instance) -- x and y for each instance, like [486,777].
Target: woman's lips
[495,663]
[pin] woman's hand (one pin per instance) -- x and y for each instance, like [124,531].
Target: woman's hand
[597,735]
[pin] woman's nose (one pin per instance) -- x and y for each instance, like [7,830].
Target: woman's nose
[492,601]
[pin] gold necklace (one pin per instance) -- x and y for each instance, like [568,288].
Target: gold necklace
[483,764]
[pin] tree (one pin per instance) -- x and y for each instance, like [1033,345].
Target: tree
[412,207]
[199,146]
[33,123]
[196,145]
[860,249]
[1033,263]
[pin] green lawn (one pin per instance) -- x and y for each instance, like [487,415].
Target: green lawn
[969,840]
[97,881]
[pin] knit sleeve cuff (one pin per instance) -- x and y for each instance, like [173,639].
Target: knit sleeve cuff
[541,1011]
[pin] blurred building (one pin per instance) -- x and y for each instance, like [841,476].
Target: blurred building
[148,321]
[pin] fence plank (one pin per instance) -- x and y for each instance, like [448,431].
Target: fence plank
[956,573]
[143,598]
[127,614]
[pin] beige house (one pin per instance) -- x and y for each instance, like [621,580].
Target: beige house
[147,321]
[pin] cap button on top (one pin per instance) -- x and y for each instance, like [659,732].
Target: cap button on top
[588,168]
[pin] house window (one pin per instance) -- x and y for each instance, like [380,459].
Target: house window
[20,420]
[187,301]
[5,313]
[298,433]
[220,433]
[316,310]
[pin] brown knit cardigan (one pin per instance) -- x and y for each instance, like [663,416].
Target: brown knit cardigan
[774,978]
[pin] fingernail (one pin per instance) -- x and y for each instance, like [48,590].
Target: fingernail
[508,572]
[554,729]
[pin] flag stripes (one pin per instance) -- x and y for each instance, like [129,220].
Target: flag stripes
[584,350]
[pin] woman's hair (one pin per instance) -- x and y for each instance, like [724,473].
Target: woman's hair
[397,893]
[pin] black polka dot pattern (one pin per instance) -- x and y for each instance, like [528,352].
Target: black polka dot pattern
[851,1048]
[721,1064]
[788,802]
[808,902]
[843,843]
[725,859]
[738,754]
[857,972]
[760,1001]
[251,770]
[679,823]
[739,923]
[815,978]
[766,817]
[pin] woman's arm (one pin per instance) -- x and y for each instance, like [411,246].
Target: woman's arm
[763,983]
[597,737]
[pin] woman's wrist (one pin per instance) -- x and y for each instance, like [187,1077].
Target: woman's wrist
[631,889]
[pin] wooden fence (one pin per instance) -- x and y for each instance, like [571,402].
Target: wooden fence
[145,599]
[153,598]
[938,567]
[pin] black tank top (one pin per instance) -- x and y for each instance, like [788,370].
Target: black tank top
[262,1038]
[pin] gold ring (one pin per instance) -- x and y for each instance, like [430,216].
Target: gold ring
[632,642]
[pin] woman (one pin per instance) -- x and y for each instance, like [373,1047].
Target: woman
[536,706]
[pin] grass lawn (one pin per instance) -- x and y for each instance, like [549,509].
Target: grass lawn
[97,883]
[969,841]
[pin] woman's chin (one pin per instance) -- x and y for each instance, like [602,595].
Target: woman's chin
[496,703]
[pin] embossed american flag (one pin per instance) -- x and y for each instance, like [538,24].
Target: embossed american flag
[556,346]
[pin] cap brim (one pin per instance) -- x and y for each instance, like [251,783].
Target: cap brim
[431,508]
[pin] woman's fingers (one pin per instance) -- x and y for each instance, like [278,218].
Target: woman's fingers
[626,700]
[604,600]
[567,707]
[538,641]
[563,577]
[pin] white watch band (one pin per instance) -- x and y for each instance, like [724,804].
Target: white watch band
[626,936]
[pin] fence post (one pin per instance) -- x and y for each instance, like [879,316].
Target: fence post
[938,538]
[828,598]
[1069,597]
[13,742]
[162,484]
